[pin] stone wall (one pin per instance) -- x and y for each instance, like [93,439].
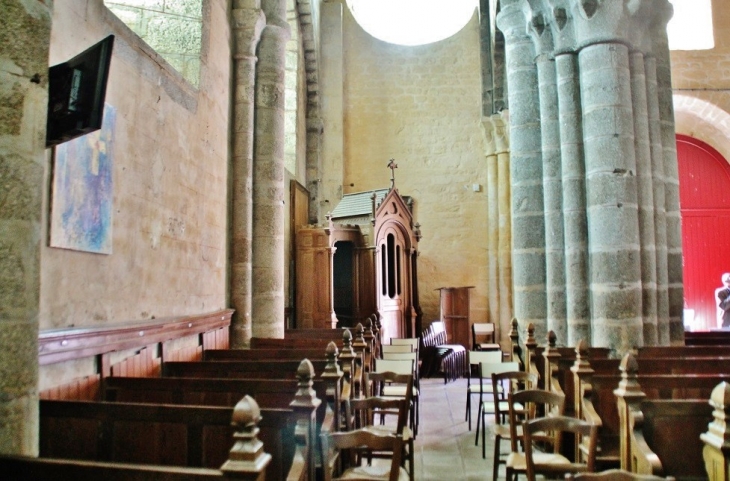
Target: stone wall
[422,107]
[170,178]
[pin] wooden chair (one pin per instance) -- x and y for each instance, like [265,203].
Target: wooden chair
[525,405]
[399,389]
[551,464]
[482,337]
[349,449]
[615,475]
[390,348]
[475,357]
[502,430]
[485,372]
[365,412]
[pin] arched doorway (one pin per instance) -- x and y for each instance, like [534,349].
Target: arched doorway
[704,188]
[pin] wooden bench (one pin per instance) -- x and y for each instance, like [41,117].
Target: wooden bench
[109,437]
[707,338]
[660,436]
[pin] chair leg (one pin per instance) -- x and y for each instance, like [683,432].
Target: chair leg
[410,460]
[479,423]
[484,436]
[467,414]
[495,469]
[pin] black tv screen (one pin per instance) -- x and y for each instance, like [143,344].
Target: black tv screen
[76,91]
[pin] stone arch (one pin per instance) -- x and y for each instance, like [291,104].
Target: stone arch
[704,121]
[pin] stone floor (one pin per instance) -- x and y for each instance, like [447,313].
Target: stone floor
[445,447]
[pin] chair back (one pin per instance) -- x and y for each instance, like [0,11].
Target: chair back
[615,475]
[388,348]
[409,341]
[551,404]
[362,441]
[376,380]
[364,411]
[398,366]
[492,357]
[536,429]
[515,380]
[482,336]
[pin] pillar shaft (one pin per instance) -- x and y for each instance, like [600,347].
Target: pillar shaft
[268,176]
[645,193]
[24,101]
[528,217]
[493,237]
[611,200]
[574,200]
[552,182]
[247,24]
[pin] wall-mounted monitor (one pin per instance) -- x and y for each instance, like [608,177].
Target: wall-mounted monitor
[76,92]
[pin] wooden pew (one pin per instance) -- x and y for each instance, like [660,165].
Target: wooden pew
[659,436]
[707,338]
[323,418]
[716,452]
[245,460]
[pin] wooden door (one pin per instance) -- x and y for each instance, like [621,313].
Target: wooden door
[704,187]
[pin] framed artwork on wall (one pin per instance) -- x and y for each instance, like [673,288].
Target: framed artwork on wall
[82,193]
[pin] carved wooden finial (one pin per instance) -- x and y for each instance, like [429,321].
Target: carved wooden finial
[369,327]
[629,383]
[718,431]
[359,335]
[552,339]
[581,349]
[332,368]
[347,342]
[581,366]
[305,396]
[247,459]
[530,341]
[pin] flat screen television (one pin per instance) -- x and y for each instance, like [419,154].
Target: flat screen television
[76,92]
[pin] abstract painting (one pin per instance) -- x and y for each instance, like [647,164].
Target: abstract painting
[82,194]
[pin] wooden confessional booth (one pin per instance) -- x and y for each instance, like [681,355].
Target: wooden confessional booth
[341,278]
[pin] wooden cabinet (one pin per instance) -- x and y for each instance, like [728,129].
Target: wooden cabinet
[455,314]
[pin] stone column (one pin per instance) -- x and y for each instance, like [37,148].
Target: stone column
[268,176]
[644,179]
[528,218]
[611,193]
[23,104]
[247,22]
[551,179]
[332,104]
[492,221]
[657,169]
[505,228]
[674,331]
[574,199]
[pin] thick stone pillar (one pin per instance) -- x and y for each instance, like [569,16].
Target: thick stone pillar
[247,22]
[24,43]
[551,179]
[528,217]
[332,82]
[611,191]
[504,216]
[674,331]
[268,176]
[645,192]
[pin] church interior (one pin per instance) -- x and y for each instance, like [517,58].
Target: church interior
[244,172]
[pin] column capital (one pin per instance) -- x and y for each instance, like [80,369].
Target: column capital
[538,18]
[247,25]
[611,21]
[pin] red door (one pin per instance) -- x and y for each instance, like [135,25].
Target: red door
[704,191]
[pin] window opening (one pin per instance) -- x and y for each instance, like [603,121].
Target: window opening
[173,28]
[412,22]
[691,25]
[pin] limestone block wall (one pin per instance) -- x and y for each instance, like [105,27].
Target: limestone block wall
[170,178]
[422,107]
[701,86]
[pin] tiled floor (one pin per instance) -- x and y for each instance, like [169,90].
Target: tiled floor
[445,447]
